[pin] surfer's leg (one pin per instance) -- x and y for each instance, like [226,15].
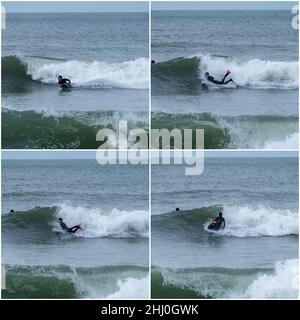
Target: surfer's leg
[230,80]
[217,82]
[74,229]
[225,76]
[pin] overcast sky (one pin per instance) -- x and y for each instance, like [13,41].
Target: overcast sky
[142,6]
[223,5]
[76,6]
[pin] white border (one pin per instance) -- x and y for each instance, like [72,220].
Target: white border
[86,150]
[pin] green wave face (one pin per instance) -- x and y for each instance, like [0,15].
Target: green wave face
[14,76]
[223,132]
[177,75]
[58,282]
[202,283]
[29,129]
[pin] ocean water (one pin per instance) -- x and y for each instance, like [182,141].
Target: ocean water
[261,50]
[108,260]
[255,256]
[104,54]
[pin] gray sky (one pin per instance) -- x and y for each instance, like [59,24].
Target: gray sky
[223,5]
[92,154]
[142,6]
[75,6]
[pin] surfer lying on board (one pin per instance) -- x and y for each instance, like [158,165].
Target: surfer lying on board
[62,81]
[212,79]
[70,230]
[217,223]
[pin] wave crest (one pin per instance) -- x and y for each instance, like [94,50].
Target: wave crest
[254,73]
[132,74]
[241,221]
[41,223]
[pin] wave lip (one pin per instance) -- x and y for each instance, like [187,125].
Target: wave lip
[99,223]
[241,221]
[261,221]
[131,288]
[132,74]
[254,73]
[290,142]
[280,282]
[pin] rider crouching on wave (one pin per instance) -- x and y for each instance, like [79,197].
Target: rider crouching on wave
[62,80]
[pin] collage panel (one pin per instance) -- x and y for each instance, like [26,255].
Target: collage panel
[70,69]
[72,228]
[230,68]
[231,232]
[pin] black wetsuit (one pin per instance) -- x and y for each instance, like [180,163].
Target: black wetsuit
[219,221]
[64,80]
[65,83]
[67,229]
[212,79]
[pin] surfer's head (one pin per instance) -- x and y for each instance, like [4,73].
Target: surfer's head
[60,219]
[177,209]
[206,74]
[220,214]
[59,77]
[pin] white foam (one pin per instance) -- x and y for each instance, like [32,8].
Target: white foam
[282,283]
[132,74]
[255,73]
[261,221]
[100,223]
[262,133]
[131,288]
[291,142]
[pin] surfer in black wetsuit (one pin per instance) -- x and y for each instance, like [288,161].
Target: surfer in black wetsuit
[217,223]
[67,229]
[63,81]
[212,79]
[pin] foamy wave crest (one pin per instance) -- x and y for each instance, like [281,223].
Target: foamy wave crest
[132,74]
[283,283]
[261,221]
[291,142]
[100,223]
[131,288]
[255,73]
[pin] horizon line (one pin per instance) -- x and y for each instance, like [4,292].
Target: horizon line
[153,10]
